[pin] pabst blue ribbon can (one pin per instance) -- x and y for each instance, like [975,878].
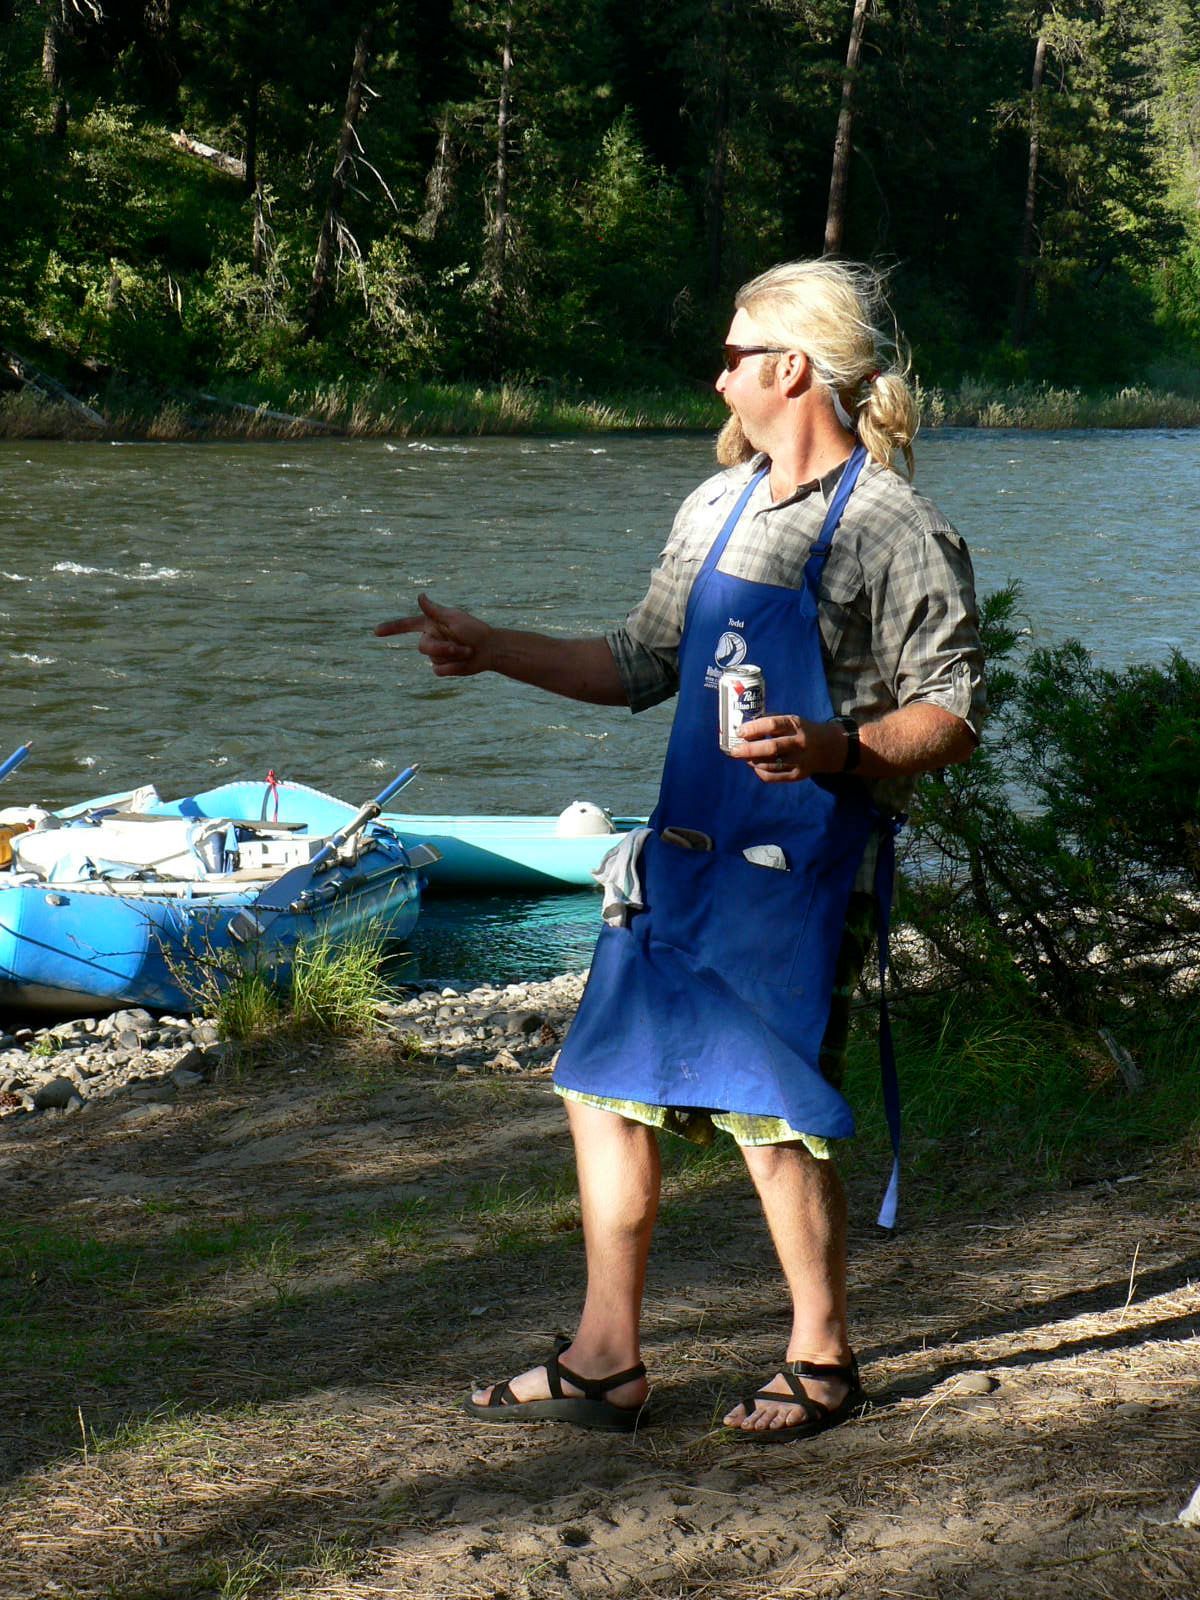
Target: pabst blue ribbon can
[742,696]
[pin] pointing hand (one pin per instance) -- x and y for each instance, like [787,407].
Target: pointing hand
[455,641]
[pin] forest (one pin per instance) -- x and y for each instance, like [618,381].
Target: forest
[260,197]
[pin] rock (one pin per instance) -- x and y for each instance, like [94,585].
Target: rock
[159,1091]
[1190,1515]
[525,1022]
[23,1035]
[1135,1410]
[976,1383]
[128,1040]
[205,1031]
[144,1112]
[504,1061]
[455,1038]
[135,1020]
[196,1061]
[182,1078]
[54,1095]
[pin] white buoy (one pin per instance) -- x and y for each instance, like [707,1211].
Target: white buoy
[582,819]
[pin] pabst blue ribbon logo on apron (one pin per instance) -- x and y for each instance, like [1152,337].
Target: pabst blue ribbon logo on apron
[731,651]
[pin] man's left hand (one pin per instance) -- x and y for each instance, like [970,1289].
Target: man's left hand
[787,749]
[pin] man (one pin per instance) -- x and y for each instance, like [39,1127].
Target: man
[724,1003]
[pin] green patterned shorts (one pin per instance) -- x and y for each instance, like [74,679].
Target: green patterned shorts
[744,1128]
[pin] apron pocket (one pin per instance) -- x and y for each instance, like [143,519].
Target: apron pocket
[738,920]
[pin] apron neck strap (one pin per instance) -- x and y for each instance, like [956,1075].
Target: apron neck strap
[731,521]
[845,488]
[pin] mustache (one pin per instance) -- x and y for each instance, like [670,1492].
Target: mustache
[732,445]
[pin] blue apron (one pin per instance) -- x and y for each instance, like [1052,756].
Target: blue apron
[717,995]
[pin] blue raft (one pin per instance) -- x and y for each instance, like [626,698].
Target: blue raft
[114,908]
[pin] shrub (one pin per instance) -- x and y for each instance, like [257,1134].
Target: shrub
[1068,848]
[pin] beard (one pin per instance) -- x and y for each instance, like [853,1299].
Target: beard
[733,447]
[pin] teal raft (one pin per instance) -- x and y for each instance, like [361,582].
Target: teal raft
[517,854]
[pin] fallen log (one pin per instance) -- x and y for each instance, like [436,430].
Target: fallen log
[233,165]
[1126,1065]
[32,378]
[262,411]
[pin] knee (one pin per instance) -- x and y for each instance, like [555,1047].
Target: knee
[768,1161]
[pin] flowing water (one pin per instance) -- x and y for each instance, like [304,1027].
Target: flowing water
[184,614]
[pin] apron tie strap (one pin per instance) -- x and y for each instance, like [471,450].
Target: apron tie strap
[885,872]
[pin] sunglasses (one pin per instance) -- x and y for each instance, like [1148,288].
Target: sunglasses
[734,352]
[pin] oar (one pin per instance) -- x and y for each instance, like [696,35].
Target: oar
[285,891]
[14,760]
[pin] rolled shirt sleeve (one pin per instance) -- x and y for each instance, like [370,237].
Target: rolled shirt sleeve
[925,626]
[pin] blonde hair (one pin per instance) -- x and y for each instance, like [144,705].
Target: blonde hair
[834,311]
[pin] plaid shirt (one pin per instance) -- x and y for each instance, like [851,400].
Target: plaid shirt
[897,600]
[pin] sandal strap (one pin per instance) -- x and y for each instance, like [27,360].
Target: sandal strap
[814,1410]
[838,1372]
[593,1388]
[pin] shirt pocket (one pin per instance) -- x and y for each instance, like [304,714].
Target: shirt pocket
[842,602]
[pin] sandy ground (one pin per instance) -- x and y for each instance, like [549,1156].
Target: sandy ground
[283,1419]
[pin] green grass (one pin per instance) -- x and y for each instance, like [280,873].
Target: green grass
[335,984]
[332,988]
[986,1088]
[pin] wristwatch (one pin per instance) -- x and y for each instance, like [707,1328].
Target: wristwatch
[853,745]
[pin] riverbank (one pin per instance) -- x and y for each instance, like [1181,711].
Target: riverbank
[360,412]
[239,1315]
[381,410]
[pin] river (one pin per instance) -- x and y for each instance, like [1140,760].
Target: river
[182,614]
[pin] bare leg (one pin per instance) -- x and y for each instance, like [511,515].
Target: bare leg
[619,1179]
[805,1208]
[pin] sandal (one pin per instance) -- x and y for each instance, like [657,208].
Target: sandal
[591,1410]
[818,1416]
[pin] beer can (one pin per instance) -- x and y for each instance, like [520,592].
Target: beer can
[742,696]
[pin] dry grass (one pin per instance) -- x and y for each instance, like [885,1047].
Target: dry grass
[240,1328]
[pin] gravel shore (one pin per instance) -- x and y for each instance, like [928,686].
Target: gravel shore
[67,1067]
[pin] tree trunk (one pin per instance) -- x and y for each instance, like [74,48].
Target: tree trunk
[718,177]
[52,69]
[498,244]
[438,184]
[1024,295]
[347,142]
[250,155]
[839,182]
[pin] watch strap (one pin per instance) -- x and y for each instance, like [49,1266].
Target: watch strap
[853,744]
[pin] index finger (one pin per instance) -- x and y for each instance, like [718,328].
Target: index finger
[762,728]
[400,625]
